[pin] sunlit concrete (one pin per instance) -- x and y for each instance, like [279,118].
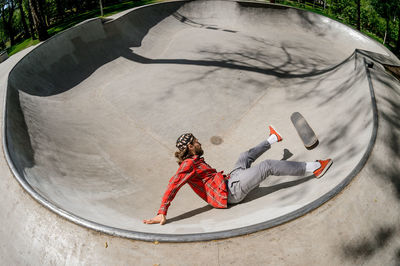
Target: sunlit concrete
[94,133]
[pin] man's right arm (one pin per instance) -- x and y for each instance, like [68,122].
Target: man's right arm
[184,173]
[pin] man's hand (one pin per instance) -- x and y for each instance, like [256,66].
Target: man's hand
[159,219]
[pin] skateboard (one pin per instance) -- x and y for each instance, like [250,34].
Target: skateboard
[306,133]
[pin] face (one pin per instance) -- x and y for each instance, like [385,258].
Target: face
[195,148]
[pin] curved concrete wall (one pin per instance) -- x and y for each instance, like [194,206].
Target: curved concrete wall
[70,140]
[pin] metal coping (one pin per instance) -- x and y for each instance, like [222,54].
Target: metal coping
[199,236]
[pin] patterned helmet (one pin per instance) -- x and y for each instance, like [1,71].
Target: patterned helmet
[184,140]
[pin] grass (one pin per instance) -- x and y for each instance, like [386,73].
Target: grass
[108,11]
[21,46]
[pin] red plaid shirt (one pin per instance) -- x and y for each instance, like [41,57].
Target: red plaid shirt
[205,181]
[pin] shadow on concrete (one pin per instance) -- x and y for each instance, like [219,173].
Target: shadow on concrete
[264,191]
[51,77]
[385,170]
[86,57]
[279,72]
[76,66]
[286,155]
[195,24]
[63,74]
[253,195]
[190,214]
[366,247]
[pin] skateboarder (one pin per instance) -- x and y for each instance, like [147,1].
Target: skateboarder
[218,189]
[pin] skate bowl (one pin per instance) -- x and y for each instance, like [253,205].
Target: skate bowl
[92,115]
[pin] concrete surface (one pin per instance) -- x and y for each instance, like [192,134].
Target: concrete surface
[99,127]
[3,56]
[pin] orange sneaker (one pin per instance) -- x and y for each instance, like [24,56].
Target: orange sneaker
[272,131]
[325,164]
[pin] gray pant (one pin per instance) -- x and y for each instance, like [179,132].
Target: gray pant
[245,178]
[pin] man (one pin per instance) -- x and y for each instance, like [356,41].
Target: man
[218,189]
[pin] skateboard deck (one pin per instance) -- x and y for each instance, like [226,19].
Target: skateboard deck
[306,133]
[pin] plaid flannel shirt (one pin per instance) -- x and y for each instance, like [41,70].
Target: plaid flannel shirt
[205,181]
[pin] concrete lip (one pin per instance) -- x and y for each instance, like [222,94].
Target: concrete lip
[3,56]
[92,115]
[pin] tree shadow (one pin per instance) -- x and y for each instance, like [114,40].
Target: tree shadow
[190,214]
[365,248]
[75,66]
[253,195]
[264,191]
[196,24]
[286,155]
[385,170]
[84,57]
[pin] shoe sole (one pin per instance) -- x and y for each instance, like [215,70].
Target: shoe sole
[325,169]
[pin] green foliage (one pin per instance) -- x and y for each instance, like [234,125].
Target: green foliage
[371,20]
[373,14]
[62,14]
[21,46]
[386,8]
[74,19]
[345,10]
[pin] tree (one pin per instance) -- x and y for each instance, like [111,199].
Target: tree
[359,15]
[60,7]
[396,12]
[2,38]
[102,14]
[384,9]
[23,20]
[38,21]
[30,19]
[346,10]
[7,8]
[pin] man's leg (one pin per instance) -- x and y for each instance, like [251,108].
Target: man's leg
[245,180]
[248,157]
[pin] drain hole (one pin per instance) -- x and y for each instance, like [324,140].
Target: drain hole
[216,140]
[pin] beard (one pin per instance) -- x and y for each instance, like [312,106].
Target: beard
[199,151]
